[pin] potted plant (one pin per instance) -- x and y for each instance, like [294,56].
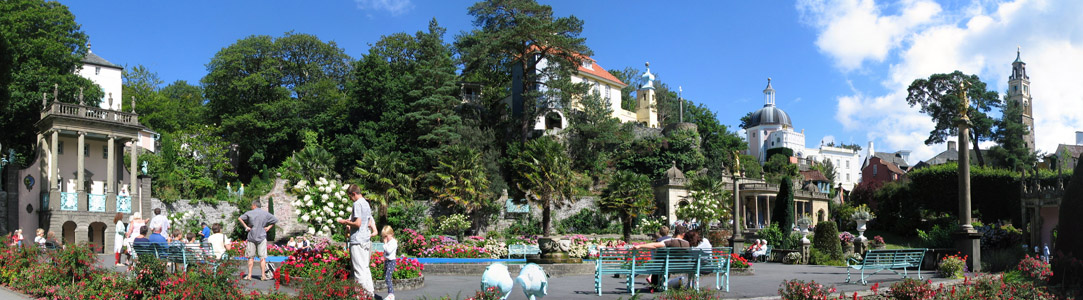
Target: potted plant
[862,215]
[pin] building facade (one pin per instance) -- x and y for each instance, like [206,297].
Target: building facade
[770,127]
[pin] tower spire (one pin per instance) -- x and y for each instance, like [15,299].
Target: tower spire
[769,94]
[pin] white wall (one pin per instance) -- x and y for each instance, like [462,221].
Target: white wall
[847,164]
[109,79]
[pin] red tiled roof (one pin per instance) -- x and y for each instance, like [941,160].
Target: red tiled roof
[813,175]
[595,70]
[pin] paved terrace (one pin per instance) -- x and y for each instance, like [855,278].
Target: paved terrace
[764,284]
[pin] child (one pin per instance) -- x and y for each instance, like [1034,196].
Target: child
[40,237]
[390,245]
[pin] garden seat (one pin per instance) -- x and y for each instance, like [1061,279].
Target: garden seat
[662,261]
[766,255]
[523,250]
[377,247]
[880,260]
[718,262]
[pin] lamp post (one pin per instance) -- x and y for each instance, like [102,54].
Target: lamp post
[967,240]
[680,100]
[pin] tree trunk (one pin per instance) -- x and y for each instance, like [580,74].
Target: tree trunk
[626,220]
[977,151]
[546,211]
[382,220]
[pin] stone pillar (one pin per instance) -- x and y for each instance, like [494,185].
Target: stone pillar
[967,240]
[110,175]
[738,239]
[806,247]
[756,212]
[80,175]
[53,173]
[133,181]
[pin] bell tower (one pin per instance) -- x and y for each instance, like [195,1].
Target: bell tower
[646,108]
[1019,91]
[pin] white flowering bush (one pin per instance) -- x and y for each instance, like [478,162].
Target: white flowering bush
[187,222]
[648,226]
[319,204]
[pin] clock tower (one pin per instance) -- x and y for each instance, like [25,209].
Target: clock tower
[1019,91]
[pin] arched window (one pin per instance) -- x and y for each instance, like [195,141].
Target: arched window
[820,215]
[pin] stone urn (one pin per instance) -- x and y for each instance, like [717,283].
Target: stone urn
[554,251]
[804,236]
[861,228]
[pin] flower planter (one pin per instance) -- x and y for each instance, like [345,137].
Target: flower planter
[743,271]
[378,285]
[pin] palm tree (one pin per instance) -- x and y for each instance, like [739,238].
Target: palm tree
[459,179]
[384,177]
[629,196]
[545,175]
[310,163]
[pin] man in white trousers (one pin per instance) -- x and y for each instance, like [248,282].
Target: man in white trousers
[362,228]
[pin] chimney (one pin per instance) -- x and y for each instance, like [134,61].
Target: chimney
[951,145]
[1079,137]
[871,150]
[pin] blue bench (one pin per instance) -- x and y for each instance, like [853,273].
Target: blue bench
[880,260]
[523,250]
[662,262]
[179,256]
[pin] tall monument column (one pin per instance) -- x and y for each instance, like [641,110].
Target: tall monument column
[967,240]
[80,174]
[133,173]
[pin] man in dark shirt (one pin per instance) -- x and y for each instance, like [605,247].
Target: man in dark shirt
[257,222]
[142,238]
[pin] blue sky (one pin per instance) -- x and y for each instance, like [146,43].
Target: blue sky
[840,67]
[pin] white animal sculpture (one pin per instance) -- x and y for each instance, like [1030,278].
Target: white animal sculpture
[534,281]
[497,275]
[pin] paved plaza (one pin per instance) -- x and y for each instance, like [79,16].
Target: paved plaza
[764,284]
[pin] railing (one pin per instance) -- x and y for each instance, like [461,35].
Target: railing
[88,112]
[97,202]
[124,204]
[69,201]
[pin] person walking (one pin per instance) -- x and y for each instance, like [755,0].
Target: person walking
[362,228]
[257,222]
[118,238]
[391,245]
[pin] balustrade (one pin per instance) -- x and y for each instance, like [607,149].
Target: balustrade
[96,202]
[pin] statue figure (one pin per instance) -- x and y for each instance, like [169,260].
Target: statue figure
[534,281]
[497,275]
[240,190]
[144,169]
[963,100]
[736,163]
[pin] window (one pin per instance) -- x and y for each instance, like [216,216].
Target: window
[607,92]
[97,70]
[588,64]
[847,177]
[874,169]
[86,150]
[60,148]
[105,151]
[847,163]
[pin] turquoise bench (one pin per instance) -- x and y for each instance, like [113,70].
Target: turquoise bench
[179,256]
[662,262]
[891,260]
[523,250]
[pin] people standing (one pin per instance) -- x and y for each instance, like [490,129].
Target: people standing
[118,238]
[362,228]
[135,225]
[159,221]
[261,222]
[391,245]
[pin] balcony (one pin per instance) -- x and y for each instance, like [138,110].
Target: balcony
[89,113]
[69,201]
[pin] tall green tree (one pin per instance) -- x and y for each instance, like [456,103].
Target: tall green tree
[938,96]
[628,196]
[384,176]
[510,37]
[827,168]
[778,168]
[718,143]
[593,135]
[708,201]
[460,182]
[172,108]
[633,78]
[784,210]
[265,91]
[750,166]
[191,164]
[1012,152]
[41,45]
[432,117]
[545,174]
[310,163]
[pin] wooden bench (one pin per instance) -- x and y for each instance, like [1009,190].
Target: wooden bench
[179,256]
[766,255]
[523,250]
[662,262]
[880,260]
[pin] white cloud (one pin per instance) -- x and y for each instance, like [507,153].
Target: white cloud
[853,31]
[395,7]
[977,39]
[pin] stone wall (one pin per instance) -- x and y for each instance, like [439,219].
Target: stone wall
[224,213]
[227,213]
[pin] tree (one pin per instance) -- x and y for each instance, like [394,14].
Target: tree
[750,166]
[1069,240]
[778,168]
[190,164]
[383,176]
[310,163]
[460,181]
[717,142]
[628,196]
[593,135]
[510,35]
[632,77]
[828,169]
[1013,152]
[545,174]
[265,91]
[432,117]
[783,212]
[826,241]
[708,200]
[42,44]
[938,96]
[746,121]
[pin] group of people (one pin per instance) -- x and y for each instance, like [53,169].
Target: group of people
[41,239]
[362,227]
[156,231]
[756,249]
[682,238]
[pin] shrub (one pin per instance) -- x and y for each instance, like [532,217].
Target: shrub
[911,289]
[738,262]
[1034,269]
[405,268]
[74,261]
[817,257]
[322,288]
[454,224]
[525,226]
[773,236]
[877,242]
[401,215]
[792,258]
[827,241]
[952,266]
[846,237]
[689,294]
[201,282]
[799,290]
[1000,237]
[319,204]
[937,237]
[588,221]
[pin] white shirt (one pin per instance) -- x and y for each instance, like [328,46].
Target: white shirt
[218,243]
[160,221]
[390,247]
[40,240]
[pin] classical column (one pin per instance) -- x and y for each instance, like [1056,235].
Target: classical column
[110,173]
[133,173]
[967,240]
[756,213]
[738,239]
[54,172]
[79,173]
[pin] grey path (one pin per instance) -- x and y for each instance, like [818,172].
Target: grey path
[764,283]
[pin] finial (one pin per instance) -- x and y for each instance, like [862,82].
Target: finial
[133,104]
[110,100]
[44,102]
[81,96]
[648,65]
[55,91]
[88,47]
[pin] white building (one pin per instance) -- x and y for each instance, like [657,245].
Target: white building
[847,163]
[107,75]
[770,128]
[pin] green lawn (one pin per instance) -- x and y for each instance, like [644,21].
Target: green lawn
[894,241]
